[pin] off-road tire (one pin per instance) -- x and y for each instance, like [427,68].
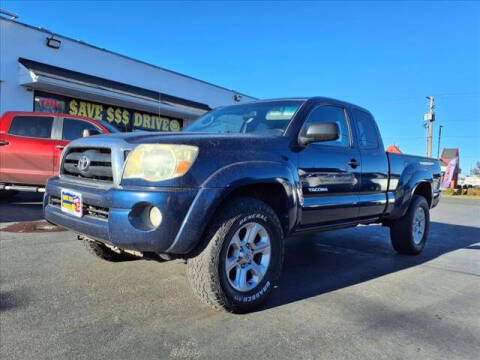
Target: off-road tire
[401,230]
[206,272]
[104,253]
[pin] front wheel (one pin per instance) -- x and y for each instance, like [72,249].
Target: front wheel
[409,233]
[243,258]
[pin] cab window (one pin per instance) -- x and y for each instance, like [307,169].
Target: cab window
[328,113]
[366,129]
[32,126]
[73,128]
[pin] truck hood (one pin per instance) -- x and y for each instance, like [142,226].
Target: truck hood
[185,137]
[221,142]
[216,151]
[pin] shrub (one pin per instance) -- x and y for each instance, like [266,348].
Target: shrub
[449,191]
[473,192]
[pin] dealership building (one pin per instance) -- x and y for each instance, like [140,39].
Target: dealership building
[43,71]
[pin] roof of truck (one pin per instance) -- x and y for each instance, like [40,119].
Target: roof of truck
[306,98]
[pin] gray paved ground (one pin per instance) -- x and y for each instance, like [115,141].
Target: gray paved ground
[343,294]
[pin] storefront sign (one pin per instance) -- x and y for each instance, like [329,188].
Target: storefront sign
[124,119]
[121,117]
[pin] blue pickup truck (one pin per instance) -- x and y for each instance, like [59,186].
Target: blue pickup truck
[225,192]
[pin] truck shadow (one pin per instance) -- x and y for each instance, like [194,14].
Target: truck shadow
[319,264]
[21,207]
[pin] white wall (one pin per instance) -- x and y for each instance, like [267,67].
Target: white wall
[12,96]
[18,40]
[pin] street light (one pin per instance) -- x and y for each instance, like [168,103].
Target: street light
[439,138]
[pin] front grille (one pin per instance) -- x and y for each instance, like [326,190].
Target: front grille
[99,164]
[87,209]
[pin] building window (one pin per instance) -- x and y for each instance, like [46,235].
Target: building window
[123,119]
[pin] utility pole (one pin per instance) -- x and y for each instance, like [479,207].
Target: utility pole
[429,118]
[439,138]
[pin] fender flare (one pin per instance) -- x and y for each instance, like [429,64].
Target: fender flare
[219,185]
[408,183]
[239,174]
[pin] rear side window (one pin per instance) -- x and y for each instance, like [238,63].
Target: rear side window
[328,113]
[367,130]
[73,128]
[32,126]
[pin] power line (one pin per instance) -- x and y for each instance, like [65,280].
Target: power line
[459,94]
[451,121]
[461,136]
[421,137]
[407,99]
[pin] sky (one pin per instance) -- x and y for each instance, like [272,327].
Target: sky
[384,56]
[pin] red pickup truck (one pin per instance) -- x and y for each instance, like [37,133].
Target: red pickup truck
[31,145]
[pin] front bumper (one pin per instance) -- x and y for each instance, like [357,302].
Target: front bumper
[184,213]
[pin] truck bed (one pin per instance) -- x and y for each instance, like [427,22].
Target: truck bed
[405,170]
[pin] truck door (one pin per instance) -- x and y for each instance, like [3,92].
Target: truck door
[27,153]
[329,172]
[373,185]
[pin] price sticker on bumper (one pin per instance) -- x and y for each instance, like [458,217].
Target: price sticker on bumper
[71,202]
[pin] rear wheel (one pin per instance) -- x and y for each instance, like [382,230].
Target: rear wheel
[243,259]
[103,252]
[409,233]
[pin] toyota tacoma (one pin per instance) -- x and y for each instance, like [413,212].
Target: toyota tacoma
[226,192]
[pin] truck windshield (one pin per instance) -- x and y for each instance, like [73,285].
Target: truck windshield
[269,118]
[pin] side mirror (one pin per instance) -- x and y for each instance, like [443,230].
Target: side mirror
[318,132]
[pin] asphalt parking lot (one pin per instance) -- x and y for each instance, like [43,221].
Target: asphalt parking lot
[343,295]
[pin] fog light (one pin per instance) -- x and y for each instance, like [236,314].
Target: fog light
[155,216]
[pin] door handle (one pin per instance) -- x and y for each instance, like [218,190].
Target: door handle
[60,147]
[353,163]
[3,143]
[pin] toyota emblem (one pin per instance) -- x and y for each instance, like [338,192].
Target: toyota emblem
[83,163]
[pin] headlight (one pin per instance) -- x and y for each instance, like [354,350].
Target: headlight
[156,162]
